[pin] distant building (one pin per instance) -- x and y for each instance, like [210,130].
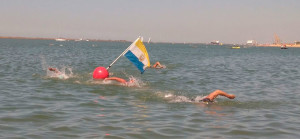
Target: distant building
[297,42]
[251,42]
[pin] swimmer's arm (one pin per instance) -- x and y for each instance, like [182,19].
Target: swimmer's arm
[157,64]
[116,79]
[216,93]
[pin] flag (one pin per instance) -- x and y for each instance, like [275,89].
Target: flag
[138,55]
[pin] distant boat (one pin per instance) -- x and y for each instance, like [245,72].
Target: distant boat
[235,47]
[60,39]
[216,43]
[78,40]
[283,47]
[149,40]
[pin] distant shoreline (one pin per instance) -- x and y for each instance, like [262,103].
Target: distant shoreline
[277,45]
[67,39]
[96,40]
[71,39]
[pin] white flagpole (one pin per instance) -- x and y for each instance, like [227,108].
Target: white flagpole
[122,54]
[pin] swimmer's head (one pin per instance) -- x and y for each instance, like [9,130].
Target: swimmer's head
[51,69]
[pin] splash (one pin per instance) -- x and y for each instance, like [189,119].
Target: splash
[134,82]
[175,98]
[172,98]
[62,73]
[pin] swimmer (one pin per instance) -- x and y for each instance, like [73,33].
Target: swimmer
[57,74]
[157,65]
[206,99]
[213,95]
[120,80]
[54,70]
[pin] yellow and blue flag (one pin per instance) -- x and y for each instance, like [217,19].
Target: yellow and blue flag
[138,55]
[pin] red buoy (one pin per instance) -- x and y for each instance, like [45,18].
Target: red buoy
[100,73]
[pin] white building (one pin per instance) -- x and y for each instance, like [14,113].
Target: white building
[251,42]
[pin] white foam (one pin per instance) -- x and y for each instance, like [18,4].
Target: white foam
[172,98]
[134,82]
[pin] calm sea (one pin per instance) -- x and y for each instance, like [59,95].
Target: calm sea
[37,104]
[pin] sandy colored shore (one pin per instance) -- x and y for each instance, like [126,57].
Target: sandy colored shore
[275,45]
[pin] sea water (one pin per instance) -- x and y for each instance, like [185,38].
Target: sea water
[36,103]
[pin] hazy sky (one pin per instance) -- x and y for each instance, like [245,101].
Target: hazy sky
[230,21]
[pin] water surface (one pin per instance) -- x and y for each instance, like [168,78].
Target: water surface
[35,104]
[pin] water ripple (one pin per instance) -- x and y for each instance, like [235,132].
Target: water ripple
[38,105]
